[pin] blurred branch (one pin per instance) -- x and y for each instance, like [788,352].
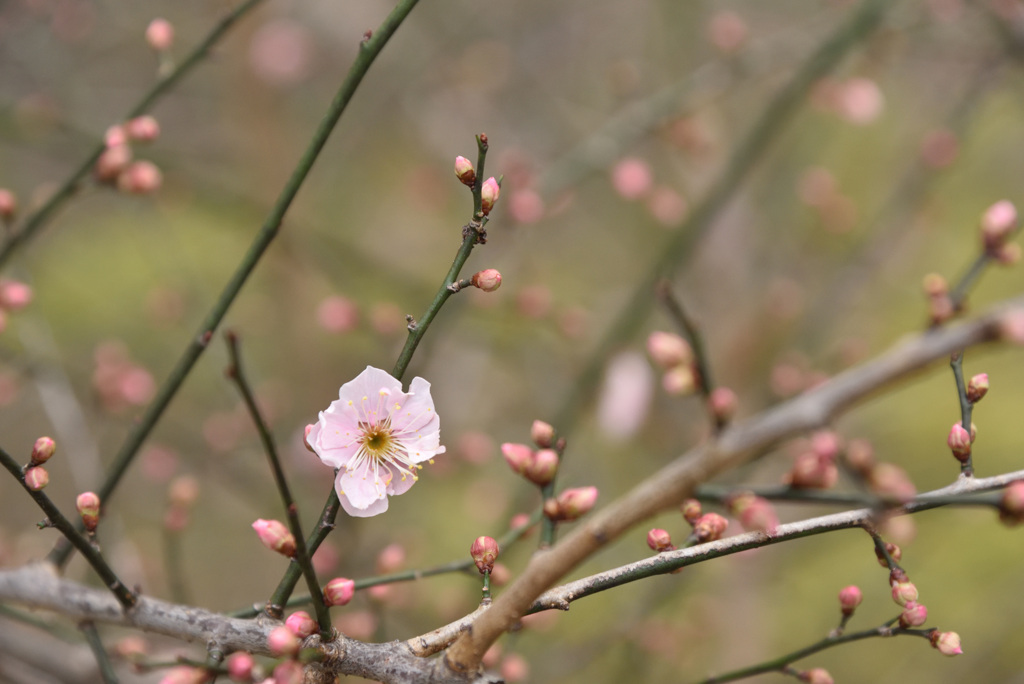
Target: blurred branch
[35,221]
[368,51]
[737,445]
[99,652]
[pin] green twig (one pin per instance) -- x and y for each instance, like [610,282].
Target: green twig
[36,220]
[368,51]
[302,555]
[172,565]
[74,538]
[96,644]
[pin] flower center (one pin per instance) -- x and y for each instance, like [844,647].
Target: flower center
[377,440]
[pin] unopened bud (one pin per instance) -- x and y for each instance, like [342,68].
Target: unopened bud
[300,624]
[489,195]
[88,506]
[860,456]
[818,675]
[484,551]
[281,642]
[571,503]
[8,204]
[183,491]
[904,593]
[112,162]
[487,280]
[849,598]
[691,510]
[709,527]
[390,558]
[464,171]
[895,552]
[947,643]
[142,129]
[14,295]
[289,672]
[913,615]
[679,381]
[36,478]
[160,35]
[1011,505]
[669,350]
[935,285]
[240,665]
[518,456]
[959,441]
[339,591]
[891,482]
[755,513]
[542,434]
[184,674]
[275,536]
[660,540]
[42,450]
[140,178]
[723,403]
[977,387]
[813,471]
[997,224]
[542,467]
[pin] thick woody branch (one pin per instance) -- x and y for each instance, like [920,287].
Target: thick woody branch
[739,444]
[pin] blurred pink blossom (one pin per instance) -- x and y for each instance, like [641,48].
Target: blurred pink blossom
[861,101]
[632,178]
[337,314]
[525,206]
[281,52]
[626,395]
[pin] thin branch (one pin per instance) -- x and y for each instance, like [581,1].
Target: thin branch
[35,221]
[956,363]
[368,52]
[96,644]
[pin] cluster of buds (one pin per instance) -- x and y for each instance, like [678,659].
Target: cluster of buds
[940,304]
[571,503]
[275,536]
[88,506]
[709,527]
[36,476]
[539,467]
[339,591]
[484,551]
[674,355]
[489,190]
[1011,505]
[889,481]
[816,467]
[959,441]
[755,513]
[115,165]
[998,224]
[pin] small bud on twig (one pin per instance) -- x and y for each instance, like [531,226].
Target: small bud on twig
[36,478]
[275,536]
[487,280]
[88,506]
[484,551]
[42,450]
[464,171]
[339,591]
[849,598]
[489,195]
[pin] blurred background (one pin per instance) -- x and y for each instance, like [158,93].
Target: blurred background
[609,121]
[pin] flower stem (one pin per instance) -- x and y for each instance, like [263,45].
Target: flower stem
[36,220]
[302,555]
[367,54]
[92,637]
[74,537]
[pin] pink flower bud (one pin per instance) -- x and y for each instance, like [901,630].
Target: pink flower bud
[464,171]
[813,471]
[183,674]
[722,403]
[518,456]
[1011,326]
[275,536]
[904,593]
[679,381]
[891,482]
[282,642]
[913,615]
[825,443]
[484,551]
[542,467]
[894,551]
[660,540]
[140,178]
[818,675]
[755,513]
[691,510]
[142,129]
[160,34]
[727,31]
[240,665]
[709,527]
[390,559]
[8,204]
[14,295]
[997,224]
[289,672]
[977,387]
[849,598]
[514,668]
[112,162]
[487,280]
[36,478]
[42,450]
[88,506]
[1011,506]
[669,350]
[959,442]
[542,434]
[183,491]
[115,136]
[935,285]
[489,195]
[300,624]
[948,643]
[339,591]
[574,503]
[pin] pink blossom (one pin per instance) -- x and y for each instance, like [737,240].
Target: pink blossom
[376,435]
